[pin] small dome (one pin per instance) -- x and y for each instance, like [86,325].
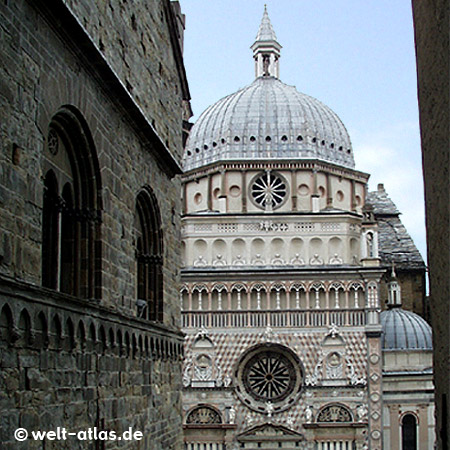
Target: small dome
[404,330]
[268,120]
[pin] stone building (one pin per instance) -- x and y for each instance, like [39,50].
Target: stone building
[431,31]
[285,272]
[94,101]
[408,403]
[397,248]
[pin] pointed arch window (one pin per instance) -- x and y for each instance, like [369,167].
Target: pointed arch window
[71,213]
[149,256]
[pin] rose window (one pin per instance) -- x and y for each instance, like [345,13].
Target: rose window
[269,190]
[269,374]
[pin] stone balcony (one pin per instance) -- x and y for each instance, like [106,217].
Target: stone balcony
[274,318]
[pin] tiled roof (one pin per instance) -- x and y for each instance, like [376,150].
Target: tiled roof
[395,244]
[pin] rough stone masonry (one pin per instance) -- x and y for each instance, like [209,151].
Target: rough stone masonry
[108,76]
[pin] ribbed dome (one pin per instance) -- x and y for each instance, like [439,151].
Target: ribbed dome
[268,120]
[404,330]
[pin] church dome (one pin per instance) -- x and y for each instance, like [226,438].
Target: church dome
[404,330]
[267,120]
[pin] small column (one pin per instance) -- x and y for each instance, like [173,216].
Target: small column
[375,245]
[327,299]
[268,300]
[288,307]
[190,308]
[219,300]
[249,300]
[363,246]
[258,299]
[297,299]
[336,298]
[278,302]
[229,300]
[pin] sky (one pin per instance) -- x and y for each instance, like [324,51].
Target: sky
[356,56]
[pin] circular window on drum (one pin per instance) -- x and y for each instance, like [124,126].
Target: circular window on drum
[269,190]
[271,373]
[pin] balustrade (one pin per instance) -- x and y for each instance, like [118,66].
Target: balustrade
[273,318]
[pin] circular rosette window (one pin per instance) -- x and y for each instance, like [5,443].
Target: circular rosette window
[268,190]
[269,376]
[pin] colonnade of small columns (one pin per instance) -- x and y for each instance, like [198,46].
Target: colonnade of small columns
[334,445]
[278,296]
[204,446]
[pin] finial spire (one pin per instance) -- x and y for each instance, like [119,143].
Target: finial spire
[266,49]
[394,290]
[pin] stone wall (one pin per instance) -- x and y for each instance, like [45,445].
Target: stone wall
[42,74]
[135,40]
[65,361]
[431,25]
[73,365]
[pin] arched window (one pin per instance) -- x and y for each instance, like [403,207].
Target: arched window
[203,415]
[409,432]
[71,248]
[149,256]
[334,413]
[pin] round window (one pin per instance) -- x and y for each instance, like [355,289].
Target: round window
[269,190]
[270,373]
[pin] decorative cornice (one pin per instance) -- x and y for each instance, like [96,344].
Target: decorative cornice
[304,164]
